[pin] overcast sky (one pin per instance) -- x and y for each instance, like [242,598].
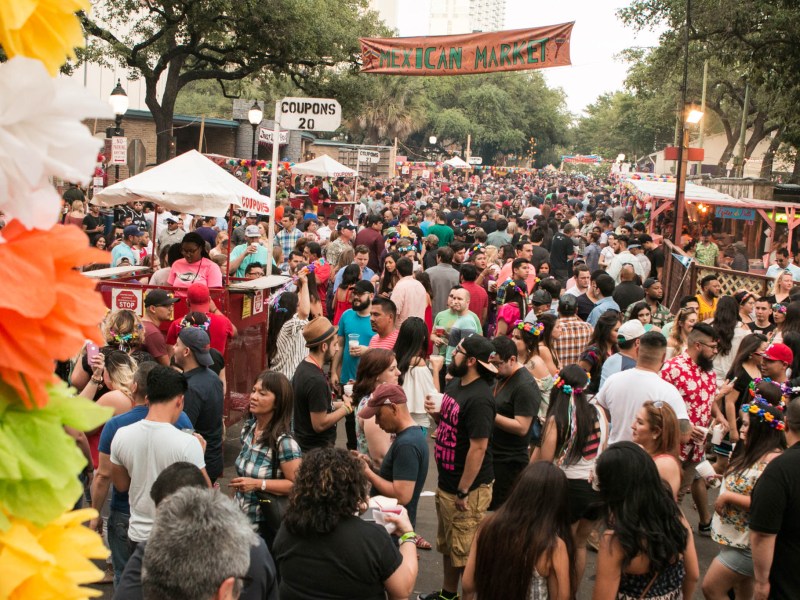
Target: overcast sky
[598,36]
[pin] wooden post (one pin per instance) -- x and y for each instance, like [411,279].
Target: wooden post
[202,133]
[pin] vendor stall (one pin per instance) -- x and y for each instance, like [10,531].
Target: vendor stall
[325,166]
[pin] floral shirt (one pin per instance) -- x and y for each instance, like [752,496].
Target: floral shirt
[731,526]
[697,388]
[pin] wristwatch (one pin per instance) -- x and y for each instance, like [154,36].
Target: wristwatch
[263,484]
[461,495]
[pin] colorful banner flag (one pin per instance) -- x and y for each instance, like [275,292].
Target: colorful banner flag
[466,54]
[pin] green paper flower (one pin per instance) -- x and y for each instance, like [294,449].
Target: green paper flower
[39,461]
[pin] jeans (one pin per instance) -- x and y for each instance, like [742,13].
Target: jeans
[117,532]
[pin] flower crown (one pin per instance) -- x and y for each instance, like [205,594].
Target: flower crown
[532,328]
[779,308]
[186,323]
[510,284]
[476,248]
[407,249]
[786,392]
[758,408]
[568,389]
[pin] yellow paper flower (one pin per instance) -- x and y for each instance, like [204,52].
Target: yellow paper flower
[53,561]
[45,29]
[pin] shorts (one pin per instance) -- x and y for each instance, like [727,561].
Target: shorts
[456,528]
[738,560]
[583,502]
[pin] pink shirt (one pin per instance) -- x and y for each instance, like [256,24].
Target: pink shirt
[505,273]
[410,299]
[386,343]
[205,271]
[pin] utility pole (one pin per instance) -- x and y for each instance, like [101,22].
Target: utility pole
[743,131]
[703,109]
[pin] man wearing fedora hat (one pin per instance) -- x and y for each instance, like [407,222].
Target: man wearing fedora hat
[315,414]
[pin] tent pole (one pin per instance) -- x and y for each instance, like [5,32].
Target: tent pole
[273,183]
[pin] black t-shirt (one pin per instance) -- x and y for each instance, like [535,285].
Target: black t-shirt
[774,507]
[626,293]
[561,250]
[407,460]
[742,386]
[516,396]
[656,258]
[350,563]
[762,330]
[585,306]
[454,215]
[203,404]
[538,256]
[91,222]
[467,413]
[311,394]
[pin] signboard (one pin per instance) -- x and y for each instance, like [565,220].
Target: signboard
[475,160]
[729,212]
[513,50]
[119,151]
[426,174]
[127,299]
[265,136]
[255,205]
[369,156]
[258,302]
[310,114]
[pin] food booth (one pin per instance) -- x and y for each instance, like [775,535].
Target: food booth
[325,166]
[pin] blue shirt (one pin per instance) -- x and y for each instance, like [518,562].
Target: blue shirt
[352,322]
[119,500]
[366,275]
[120,251]
[602,306]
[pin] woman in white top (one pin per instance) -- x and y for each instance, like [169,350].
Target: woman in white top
[286,346]
[416,378]
[730,333]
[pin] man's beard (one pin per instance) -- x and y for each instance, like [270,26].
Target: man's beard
[457,370]
[360,306]
[705,363]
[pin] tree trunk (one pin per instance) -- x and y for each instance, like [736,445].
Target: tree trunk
[164,111]
[795,177]
[769,156]
[722,165]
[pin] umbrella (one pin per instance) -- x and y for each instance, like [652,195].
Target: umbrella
[323,166]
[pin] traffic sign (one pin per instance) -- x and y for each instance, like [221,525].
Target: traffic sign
[127,299]
[310,114]
[475,160]
[119,151]
[369,156]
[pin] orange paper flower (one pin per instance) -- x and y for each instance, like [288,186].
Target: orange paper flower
[47,308]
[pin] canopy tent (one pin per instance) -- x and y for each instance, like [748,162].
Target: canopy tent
[694,192]
[457,163]
[323,166]
[188,183]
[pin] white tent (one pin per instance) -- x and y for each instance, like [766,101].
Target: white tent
[457,163]
[188,183]
[323,166]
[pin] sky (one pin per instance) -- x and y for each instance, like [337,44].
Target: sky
[597,38]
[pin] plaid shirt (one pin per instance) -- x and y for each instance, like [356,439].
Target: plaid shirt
[575,335]
[256,461]
[288,240]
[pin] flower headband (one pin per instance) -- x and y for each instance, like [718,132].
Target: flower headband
[532,328]
[758,408]
[510,284]
[476,248]
[786,392]
[568,389]
[123,339]
[407,249]
[779,308]
[186,323]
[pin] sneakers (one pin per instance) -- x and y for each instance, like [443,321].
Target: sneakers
[704,530]
[437,595]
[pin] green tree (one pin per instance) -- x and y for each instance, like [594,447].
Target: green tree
[173,43]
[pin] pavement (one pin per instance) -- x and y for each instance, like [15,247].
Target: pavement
[430,565]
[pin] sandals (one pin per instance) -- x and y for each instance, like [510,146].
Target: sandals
[422,543]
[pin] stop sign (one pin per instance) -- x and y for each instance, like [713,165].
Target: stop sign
[126,299]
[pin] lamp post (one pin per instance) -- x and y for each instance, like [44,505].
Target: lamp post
[254,115]
[119,104]
[692,116]
[432,141]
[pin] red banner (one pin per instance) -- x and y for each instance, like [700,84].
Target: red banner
[514,50]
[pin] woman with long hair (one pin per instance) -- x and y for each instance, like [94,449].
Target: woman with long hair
[289,314]
[270,456]
[762,440]
[575,435]
[747,303]
[196,265]
[390,274]
[513,305]
[641,311]
[529,339]
[321,529]
[343,298]
[779,310]
[76,214]
[782,287]
[679,333]
[647,550]
[416,378]
[656,429]
[524,549]
[602,344]
[376,367]
[730,333]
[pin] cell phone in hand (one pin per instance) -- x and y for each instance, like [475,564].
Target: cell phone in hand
[92,350]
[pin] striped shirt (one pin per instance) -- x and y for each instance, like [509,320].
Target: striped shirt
[290,348]
[386,343]
[255,461]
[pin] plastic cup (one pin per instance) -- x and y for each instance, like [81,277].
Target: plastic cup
[704,430]
[348,389]
[717,434]
[436,398]
[440,331]
[706,470]
[353,341]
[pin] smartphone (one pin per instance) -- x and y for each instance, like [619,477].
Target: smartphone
[92,350]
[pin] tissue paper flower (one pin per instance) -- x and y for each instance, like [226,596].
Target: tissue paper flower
[45,29]
[41,136]
[51,562]
[39,461]
[47,308]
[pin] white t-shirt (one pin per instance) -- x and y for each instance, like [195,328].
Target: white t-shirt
[145,449]
[624,393]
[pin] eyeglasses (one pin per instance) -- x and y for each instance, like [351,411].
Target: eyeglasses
[713,346]
[459,350]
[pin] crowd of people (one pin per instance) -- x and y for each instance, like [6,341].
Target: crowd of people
[514,328]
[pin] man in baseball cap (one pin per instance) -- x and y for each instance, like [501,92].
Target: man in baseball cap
[131,236]
[775,360]
[541,300]
[197,342]
[220,328]
[251,251]
[157,310]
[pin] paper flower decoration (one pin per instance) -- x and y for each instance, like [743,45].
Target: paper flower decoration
[50,562]
[45,29]
[39,461]
[47,309]
[42,138]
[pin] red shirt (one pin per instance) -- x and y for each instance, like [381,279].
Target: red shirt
[478,298]
[386,343]
[220,329]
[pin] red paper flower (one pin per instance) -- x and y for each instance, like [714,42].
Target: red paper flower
[47,308]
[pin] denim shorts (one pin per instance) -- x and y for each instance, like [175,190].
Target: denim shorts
[738,560]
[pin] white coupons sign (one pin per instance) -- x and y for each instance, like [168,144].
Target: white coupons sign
[265,136]
[369,156]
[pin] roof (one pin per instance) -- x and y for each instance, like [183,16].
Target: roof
[134,113]
[699,193]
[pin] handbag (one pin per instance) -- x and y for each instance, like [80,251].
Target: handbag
[273,506]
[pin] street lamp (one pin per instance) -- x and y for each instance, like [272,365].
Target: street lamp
[432,140]
[254,115]
[692,116]
[119,104]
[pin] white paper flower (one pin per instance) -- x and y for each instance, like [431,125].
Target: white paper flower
[41,136]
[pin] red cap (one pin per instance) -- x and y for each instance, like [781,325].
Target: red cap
[780,352]
[198,297]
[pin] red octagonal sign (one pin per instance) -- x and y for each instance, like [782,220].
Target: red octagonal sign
[126,299]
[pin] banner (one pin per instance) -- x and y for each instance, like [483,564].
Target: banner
[514,50]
